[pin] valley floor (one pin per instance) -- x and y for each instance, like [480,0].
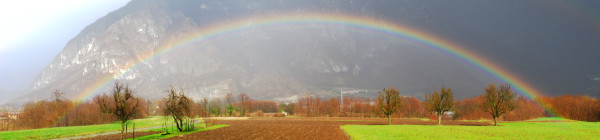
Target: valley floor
[298,128]
[336,128]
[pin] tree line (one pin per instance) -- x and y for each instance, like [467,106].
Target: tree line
[498,102]
[64,112]
[121,104]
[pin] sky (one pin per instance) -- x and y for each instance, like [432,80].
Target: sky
[553,45]
[33,32]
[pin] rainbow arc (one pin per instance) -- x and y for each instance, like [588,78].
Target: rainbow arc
[231,27]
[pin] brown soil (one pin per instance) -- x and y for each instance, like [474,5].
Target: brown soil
[118,136]
[298,128]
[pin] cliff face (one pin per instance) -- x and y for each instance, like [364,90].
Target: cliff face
[274,63]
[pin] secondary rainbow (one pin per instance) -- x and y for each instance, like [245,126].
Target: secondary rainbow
[339,20]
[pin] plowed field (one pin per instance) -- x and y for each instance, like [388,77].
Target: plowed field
[297,128]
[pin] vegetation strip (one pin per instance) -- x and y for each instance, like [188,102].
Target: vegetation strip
[513,130]
[62,132]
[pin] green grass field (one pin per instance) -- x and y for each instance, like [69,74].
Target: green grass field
[550,119]
[509,130]
[62,132]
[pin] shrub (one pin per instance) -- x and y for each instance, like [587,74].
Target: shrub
[278,115]
[259,113]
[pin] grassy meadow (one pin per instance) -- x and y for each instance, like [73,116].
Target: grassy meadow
[543,128]
[71,131]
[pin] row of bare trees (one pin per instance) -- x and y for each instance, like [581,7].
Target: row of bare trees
[497,101]
[583,108]
[575,107]
[64,112]
[311,106]
[233,106]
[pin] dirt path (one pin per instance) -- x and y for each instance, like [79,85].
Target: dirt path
[295,128]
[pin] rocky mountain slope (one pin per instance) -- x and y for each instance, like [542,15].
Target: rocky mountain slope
[272,64]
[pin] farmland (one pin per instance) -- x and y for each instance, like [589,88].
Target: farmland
[312,118]
[336,128]
[298,128]
[375,128]
[543,128]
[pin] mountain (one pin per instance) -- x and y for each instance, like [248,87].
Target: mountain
[280,63]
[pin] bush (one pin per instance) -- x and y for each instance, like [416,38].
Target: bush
[278,115]
[258,113]
[209,122]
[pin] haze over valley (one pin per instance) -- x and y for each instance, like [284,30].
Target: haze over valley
[152,44]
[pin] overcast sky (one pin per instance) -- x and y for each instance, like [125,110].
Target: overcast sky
[553,45]
[33,32]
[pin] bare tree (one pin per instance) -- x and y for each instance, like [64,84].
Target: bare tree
[244,98]
[121,103]
[58,96]
[440,103]
[389,101]
[214,107]
[230,108]
[179,107]
[498,101]
[201,109]
[61,108]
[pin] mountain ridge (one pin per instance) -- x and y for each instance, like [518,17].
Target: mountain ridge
[270,64]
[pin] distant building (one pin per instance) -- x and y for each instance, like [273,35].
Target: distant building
[9,115]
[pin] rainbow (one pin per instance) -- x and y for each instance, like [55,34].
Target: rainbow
[339,20]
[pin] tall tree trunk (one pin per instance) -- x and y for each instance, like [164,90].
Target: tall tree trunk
[134,131]
[495,121]
[439,119]
[389,119]
[177,125]
[181,125]
[122,129]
